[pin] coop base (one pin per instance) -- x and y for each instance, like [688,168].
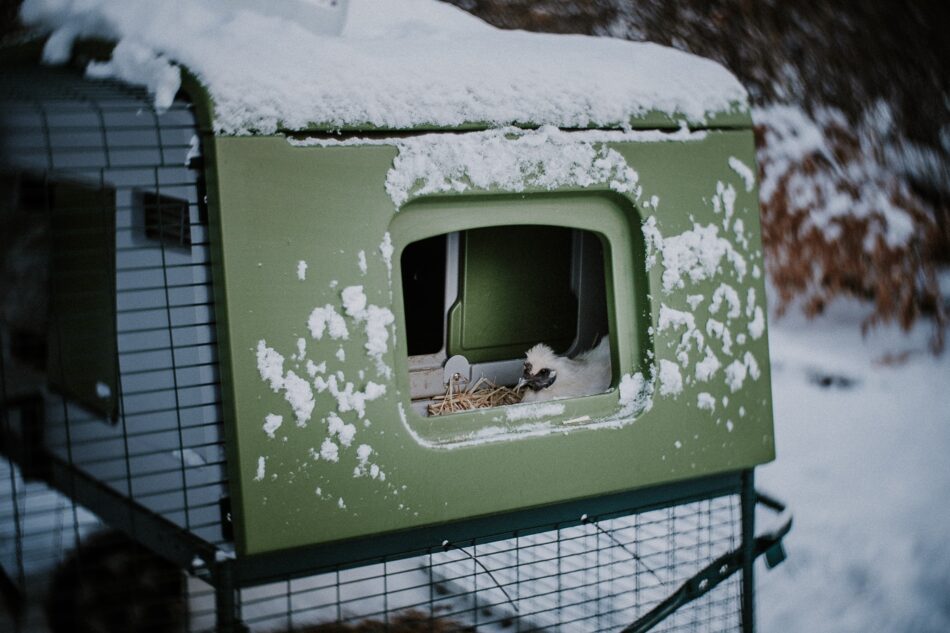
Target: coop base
[601,564]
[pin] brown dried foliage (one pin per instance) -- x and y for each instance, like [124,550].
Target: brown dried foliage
[807,264]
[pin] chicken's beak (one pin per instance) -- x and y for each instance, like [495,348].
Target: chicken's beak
[521,383]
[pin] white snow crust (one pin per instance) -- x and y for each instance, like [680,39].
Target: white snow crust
[508,158]
[271,423]
[694,255]
[266,72]
[327,319]
[671,381]
[744,172]
[534,411]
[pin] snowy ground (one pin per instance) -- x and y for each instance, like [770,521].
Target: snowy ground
[863,464]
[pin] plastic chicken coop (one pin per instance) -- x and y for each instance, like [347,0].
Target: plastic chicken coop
[231,298]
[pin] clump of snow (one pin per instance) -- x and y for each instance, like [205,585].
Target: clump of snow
[675,319]
[138,64]
[348,399]
[708,366]
[533,411]
[386,250]
[301,348]
[327,319]
[364,467]
[194,149]
[671,381]
[341,354]
[341,504]
[302,270]
[270,364]
[330,451]
[300,396]
[744,172]
[363,451]
[376,321]
[694,300]
[706,401]
[271,423]
[696,254]
[103,390]
[757,324]
[340,429]
[313,369]
[719,330]
[374,390]
[736,373]
[261,469]
[752,365]
[635,392]
[727,292]
[381,71]
[725,202]
[361,262]
[510,159]
[354,300]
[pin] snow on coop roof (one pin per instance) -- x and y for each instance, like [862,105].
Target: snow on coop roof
[397,64]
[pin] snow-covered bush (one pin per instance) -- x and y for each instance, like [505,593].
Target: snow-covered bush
[839,218]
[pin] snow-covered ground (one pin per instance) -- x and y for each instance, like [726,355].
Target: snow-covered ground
[863,436]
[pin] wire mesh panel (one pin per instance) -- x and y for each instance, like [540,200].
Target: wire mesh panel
[599,576]
[63,569]
[107,295]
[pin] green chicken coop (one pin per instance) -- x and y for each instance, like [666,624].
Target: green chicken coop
[228,315]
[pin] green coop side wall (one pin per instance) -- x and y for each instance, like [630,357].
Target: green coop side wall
[278,205]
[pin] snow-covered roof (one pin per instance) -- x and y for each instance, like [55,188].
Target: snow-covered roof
[397,64]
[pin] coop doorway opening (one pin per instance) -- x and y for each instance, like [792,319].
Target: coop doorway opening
[476,301]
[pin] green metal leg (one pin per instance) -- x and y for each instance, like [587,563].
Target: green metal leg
[748,551]
[225,603]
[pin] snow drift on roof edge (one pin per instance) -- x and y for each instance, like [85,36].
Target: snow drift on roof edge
[397,64]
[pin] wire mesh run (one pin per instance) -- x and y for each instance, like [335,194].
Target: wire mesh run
[598,576]
[108,324]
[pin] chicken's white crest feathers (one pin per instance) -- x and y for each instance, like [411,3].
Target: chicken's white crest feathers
[541,356]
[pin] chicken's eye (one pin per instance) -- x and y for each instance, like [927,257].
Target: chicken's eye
[544,372]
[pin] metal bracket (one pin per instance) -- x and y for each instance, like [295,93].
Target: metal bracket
[456,369]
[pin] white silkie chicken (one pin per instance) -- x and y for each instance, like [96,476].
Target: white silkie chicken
[549,376]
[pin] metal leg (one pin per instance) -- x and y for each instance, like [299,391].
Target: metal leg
[748,551]
[225,603]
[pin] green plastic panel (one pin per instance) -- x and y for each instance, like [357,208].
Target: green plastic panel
[276,205]
[515,290]
[82,356]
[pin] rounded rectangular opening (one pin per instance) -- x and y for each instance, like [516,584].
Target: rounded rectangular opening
[477,300]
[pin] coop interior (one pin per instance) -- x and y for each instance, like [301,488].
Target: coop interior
[476,300]
[109,351]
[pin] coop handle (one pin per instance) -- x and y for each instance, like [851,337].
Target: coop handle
[704,581]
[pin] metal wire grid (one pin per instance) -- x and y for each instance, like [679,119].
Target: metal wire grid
[593,577]
[166,451]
